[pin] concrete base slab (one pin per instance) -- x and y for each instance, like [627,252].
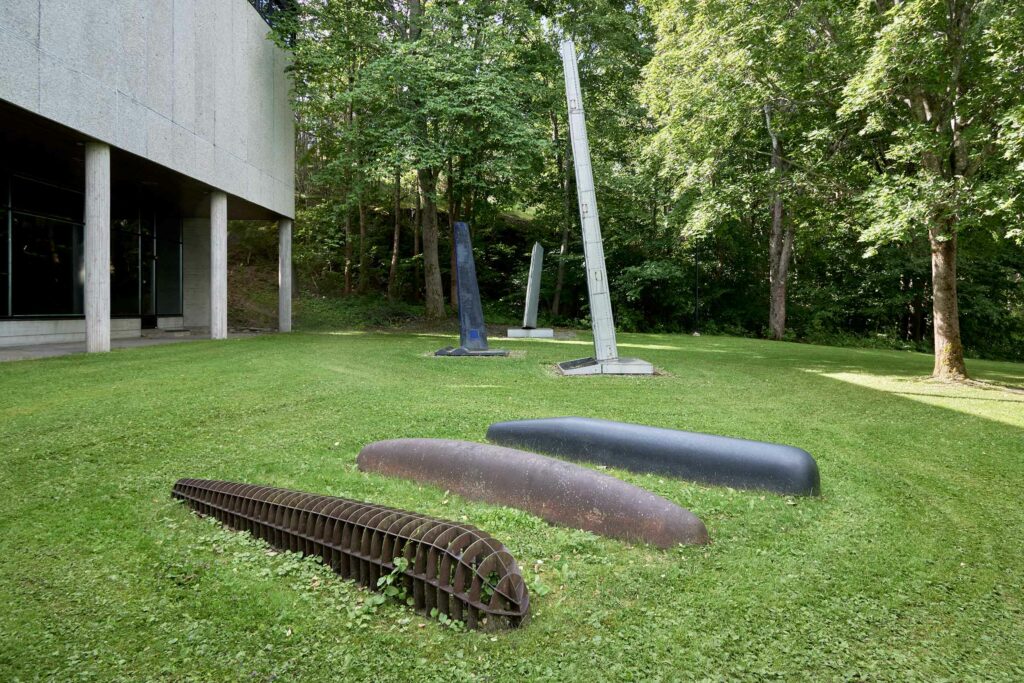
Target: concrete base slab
[35,351]
[530,333]
[619,366]
[463,351]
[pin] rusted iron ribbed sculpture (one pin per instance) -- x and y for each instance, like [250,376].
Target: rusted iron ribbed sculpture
[559,492]
[455,568]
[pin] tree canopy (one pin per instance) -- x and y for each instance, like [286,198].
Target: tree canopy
[829,170]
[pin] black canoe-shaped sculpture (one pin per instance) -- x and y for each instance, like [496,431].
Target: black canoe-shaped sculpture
[557,491]
[704,458]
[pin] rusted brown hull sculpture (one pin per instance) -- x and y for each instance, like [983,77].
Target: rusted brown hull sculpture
[455,568]
[559,492]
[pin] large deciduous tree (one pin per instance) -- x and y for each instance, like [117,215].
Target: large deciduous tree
[744,95]
[934,89]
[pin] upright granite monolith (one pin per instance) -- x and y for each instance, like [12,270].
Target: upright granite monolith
[472,331]
[529,328]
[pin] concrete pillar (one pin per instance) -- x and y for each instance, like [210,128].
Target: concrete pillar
[284,275]
[97,247]
[218,265]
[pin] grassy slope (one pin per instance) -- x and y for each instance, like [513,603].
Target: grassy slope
[909,567]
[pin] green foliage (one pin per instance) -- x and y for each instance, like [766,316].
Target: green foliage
[353,312]
[391,584]
[680,96]
[933,96]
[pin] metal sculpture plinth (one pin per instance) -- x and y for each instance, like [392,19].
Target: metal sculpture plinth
[453,568]
[606,359]
[472,331]
[705,458]
[528,333]
[612,366]
[529,330]
[560,492]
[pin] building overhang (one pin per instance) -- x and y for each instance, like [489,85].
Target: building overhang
[46,149]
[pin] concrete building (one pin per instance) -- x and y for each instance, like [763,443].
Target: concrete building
[131,131]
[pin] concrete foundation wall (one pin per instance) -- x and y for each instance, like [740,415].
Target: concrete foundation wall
[193,85]
[19,332]
[170,322]
[195,248]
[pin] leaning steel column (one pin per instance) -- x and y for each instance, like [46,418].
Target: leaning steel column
[97,247]
[284,275]
[218,265]
[593,248]
[606,359]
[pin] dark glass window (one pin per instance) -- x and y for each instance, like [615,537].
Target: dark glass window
[4,264]
[168,265]
[42,199]
[42,252]
[124,268]
[168,277]
[168,228]
[45,258]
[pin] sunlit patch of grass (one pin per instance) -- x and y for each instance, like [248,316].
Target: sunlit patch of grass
[990,402]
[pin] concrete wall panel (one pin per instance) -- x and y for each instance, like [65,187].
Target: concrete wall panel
[204,23]
[134,49]
[80,35]
[132,130]
[19,332]
[19,77]
[63,91]
[21,18]
[185,64]
[194,85]
[159,32]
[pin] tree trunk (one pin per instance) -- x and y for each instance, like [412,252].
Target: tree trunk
[780,245]
[415,12]
[920,301]
[453,278]
[563,251]
[949,351]
[364,254]
[942,238]
[936,106]
[416,220]
[427,177]
[431,265]
[395,237]
[348,251]
[780,253]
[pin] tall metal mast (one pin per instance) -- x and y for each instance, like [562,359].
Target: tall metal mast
[593,249]
[606,353]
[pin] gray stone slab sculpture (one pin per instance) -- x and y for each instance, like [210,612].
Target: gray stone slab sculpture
[606,359]
[560,492]
[472,331]
[529,330]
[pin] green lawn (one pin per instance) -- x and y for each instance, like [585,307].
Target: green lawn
[909,567]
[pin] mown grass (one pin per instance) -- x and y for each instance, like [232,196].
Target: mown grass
[909,567]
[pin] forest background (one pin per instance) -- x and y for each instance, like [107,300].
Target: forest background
[843,172]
